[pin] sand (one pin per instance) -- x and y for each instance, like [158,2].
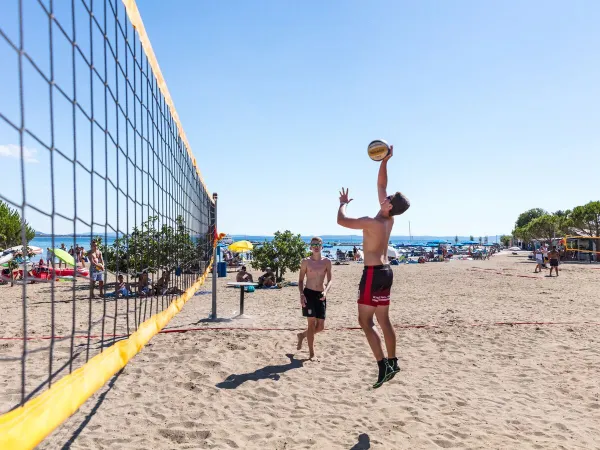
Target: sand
[465,382]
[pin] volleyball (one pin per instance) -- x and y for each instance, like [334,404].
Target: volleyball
[378,150]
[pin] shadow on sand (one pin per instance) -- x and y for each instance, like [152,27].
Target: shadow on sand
[364,442]
[233,381]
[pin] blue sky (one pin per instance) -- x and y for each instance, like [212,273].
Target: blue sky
[492,108]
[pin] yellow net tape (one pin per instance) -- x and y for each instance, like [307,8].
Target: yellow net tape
[136,20]
[583,238]
[28,425]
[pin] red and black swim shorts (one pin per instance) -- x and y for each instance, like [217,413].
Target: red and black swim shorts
[375,285]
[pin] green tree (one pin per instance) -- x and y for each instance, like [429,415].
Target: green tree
[456,239]
[480,240]
[11,224]
[150,248]
[585,219]
[528,216]
[485,240]
[283,253]
[545,227]
[471,238]
[505,240]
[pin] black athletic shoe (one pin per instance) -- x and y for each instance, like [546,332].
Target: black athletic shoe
[393,363]
[385,371]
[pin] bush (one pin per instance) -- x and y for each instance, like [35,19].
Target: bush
[283,253]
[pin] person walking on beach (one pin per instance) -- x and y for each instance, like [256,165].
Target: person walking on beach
[377,278]
[313,297]
[554,257]
[96,269]
[539,260]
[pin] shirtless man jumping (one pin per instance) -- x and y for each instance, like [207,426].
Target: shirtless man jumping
[313,297]
[376,282]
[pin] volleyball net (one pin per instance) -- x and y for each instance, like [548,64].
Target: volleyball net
[582,247]
[106,225]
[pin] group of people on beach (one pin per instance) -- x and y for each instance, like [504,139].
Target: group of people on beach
[544,256]
[374,288]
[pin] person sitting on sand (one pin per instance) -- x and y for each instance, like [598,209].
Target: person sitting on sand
[162,284]
[144,283]
[122,289]
[243,276]
[268,279]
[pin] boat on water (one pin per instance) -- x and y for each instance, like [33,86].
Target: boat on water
[227,240]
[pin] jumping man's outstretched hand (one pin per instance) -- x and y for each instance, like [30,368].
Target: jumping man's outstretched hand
[390,154]
[344,197]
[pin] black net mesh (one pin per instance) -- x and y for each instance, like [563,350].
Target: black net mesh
[89,151]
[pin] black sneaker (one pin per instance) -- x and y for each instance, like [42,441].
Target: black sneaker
[395,368]
[385,370]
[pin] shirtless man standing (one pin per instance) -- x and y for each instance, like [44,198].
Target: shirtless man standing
[376,282]
[313,297]
[96,269]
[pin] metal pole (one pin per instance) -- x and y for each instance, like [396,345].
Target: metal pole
[215,274]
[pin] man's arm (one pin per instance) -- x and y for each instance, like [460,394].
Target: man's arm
[328,274]
[301,282]
[345,221]
[348,222]
[382,178]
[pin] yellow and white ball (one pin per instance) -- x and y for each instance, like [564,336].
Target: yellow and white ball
[378,150]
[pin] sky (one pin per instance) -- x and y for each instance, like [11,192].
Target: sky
[492,107]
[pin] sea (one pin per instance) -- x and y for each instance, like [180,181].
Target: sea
[332,242]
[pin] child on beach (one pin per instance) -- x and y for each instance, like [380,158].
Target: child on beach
[122,289]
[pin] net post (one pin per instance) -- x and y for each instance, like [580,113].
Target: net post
[213,314]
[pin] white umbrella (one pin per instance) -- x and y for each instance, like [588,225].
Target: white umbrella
[392,253]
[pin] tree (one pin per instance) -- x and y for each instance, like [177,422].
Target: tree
[480,240]
[545,227]
[471,238]
[526,217]
[283,253]
[485,240]
[456,239]
[585,219]
[505,240]
[151,248]
[11,224]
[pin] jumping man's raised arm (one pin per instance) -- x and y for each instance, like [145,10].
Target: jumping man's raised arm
[382,178]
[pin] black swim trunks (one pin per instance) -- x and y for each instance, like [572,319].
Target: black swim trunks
[554,263]
[375,285]
[315,307]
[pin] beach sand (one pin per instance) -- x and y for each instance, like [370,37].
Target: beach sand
[465,381]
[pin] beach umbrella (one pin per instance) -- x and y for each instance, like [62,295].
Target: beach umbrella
[392,253]
[63,256]
[470,243]
[241,246]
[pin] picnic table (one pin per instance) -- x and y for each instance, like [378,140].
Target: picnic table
[241,285]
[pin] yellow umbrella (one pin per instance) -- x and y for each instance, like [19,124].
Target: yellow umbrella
[63,256]
[241,246]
